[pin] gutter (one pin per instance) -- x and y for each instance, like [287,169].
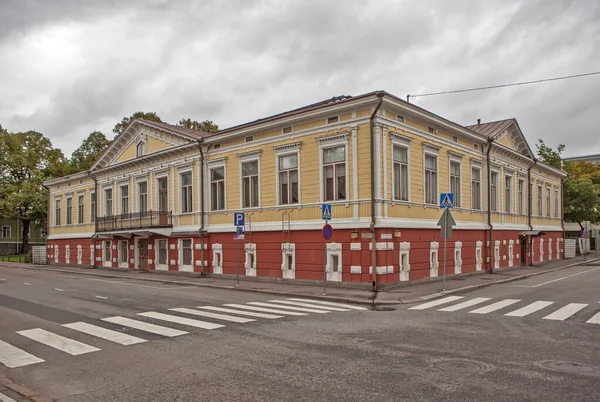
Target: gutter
[380,95]
[530,209]
[489,191]
[201,230]
[95,235]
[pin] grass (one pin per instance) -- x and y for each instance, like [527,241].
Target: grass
[14,258]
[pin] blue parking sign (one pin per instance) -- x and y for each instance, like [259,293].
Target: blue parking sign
[238,219]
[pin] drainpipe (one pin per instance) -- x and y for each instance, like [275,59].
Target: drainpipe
[372,226]
[529,210]
[201,230]
[489,188]
[562,213]
[95,235]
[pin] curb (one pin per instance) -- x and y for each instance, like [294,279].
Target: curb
[24,393]
[470,288]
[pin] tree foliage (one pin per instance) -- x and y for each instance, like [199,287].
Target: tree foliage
[548,155]
[207,126]
[89,151]
[152,116]
[582,202]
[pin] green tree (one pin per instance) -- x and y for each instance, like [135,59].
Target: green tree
[28,159]
[207,125]
[548,155]
[582,202]
[89,151]
[152,116]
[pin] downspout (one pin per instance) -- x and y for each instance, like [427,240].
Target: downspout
[47,219]
[489,188]
[372,226]
[562,214]
[201,230]
[529,211]
[95,235]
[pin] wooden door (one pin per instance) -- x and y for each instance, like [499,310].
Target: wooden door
[143,254]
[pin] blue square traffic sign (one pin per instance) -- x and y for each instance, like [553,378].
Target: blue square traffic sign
[326,211]
[238,219]
[446,200]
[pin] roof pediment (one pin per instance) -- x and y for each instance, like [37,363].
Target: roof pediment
[507,133]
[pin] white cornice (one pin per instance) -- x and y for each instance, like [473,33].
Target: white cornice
[332,138]
[288,147]
[219,161]
[400,138]
[251,154]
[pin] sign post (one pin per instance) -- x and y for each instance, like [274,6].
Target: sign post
[327,233]
[238,221]
[446,222]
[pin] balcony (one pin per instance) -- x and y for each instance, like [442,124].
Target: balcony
[136,220]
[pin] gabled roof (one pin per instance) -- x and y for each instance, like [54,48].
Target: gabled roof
[197,134]
[496,129]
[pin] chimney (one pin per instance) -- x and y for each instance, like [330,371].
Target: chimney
[478,121]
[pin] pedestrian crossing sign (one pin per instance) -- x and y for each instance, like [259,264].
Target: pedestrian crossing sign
[446,200]
[326,211]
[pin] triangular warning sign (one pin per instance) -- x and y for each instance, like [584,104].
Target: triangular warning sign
[327,212]
[446,203]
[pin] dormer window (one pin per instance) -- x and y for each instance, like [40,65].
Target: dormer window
[140,149]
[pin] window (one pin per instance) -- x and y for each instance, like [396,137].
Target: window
[123,251]
[521,197]
[140,149]
[250,184]
[250,138]
[454,139]
[186,192]
[548,201]
[334,173]
[5,232]
[163,198]
[107,252]
[508,194]
[431,130]
[286,130]
[494,191]
[400,118]
[556,203]
[431,179]
[186,252]
[217,189]
[540,206]
[57,212]
[80,209]
[162,252]
[288,179]
[69,211]
[217,146]
[455,182]
[93,207]
[124,200]
[400,158]
[475,188]
[143,196]
[333,119]
[108,202]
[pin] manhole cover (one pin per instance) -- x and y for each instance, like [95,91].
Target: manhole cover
[569,367]
[459,366]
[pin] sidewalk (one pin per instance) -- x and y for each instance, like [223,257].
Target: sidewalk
[404,293]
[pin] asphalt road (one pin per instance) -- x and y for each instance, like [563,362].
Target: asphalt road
[411,353]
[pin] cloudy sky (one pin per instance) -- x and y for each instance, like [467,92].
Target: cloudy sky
[69,67]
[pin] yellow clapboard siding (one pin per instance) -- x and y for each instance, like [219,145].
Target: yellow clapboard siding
[364,161]
[364,113]
[505,140]
[345,116]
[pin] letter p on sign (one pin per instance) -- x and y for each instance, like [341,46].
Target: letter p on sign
[238,219]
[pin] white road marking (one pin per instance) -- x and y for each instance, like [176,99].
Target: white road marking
[560,279]
[495,306]
[212,315]
[530,308]
[59,290]
[108,334]
[271,305]
[145,326]
[127,284]
[2,279]
[181,320]
[264,310]
[435,303]
[4,398]
[300,304]
[465,304]
[565,312]
[594,320]
[326,303]
[12,356]
[246,313]
[61,343]
[101,297]
[27,283]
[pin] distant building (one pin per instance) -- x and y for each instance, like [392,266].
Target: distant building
[587,158]
[11,236]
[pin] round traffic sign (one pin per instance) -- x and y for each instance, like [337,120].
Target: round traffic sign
[327,231]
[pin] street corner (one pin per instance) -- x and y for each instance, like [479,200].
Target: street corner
[12,391]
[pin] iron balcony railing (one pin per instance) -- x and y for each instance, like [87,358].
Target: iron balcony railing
[135,220]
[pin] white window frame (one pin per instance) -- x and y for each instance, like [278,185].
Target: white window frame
[57,211]
[253,156]
[287,151]
[93,201]
[217,259]
[6,229]
[158,265]
[80,209]
[123,264]
[106,245]
[139,195]
[157,179]
[457,257]
[497,191]
[140,149]
[288,250]
[330,142]
[480,169]
[556,202]
[497,254]
[406,146]
[508,203]
[478,255]
[69,210]
[112,201]
[250,263]
[67,254]
[457,199]
[79,255]
[334,250]
[548,201]
[214,164]
[429,150]
[186,267]
[122,199]
[434,259]
[541,249]
[404,269]
[521,196]
[210,187]
[56,253]
[511,253]
[540,188]
[182,172]
[550,249]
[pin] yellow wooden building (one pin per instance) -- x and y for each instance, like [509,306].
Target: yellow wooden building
[163,197]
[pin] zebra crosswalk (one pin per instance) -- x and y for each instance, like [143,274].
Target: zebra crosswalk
[159,323]
[513,308]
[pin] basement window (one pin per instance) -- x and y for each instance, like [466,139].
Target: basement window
[400,118]
[250,138]
[455,139]
[286,130]
[431,130]
[333,119]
